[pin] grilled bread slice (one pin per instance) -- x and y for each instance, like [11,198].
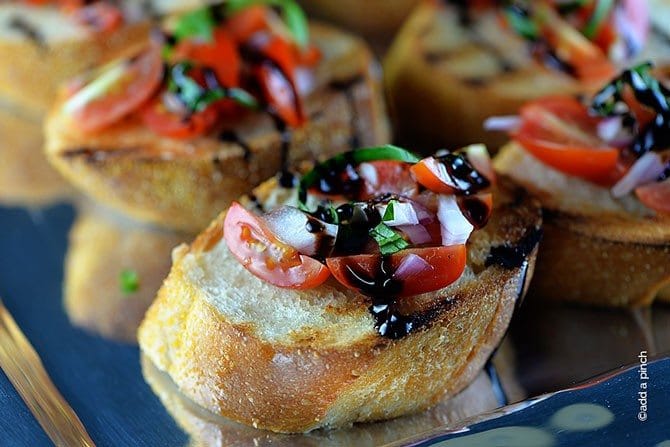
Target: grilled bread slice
[184,184]
[444,76]
[25,175]
[208,429]
[596,249]
[376,20]
[294,361]
[102,248]
[41,47]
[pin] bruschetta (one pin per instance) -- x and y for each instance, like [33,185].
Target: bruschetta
[361,293]
[600,169]
[113,269]
[222,99]
[454,64]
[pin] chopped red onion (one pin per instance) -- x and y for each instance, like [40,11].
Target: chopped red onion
[454,226]
[632,22]
[290,225]
[403,214]
[417,234]
[506,123]
[368,173]
[645,170]
[612,131]
[410,266]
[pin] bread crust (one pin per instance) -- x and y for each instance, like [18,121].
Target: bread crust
[342,371]
[185,184]
[102,245]
[603,257]
[26,178]
[443,78]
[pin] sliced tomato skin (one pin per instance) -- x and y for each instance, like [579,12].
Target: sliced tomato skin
[221,55]
[140,82]
[265,256]
[163,122]
[247,22]
[448,265]
[392,177]
[560,133]
[280,94]
[655,195]
[429,173]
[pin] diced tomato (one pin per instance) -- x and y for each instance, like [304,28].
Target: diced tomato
[280,93]
[268,258]
[445,265]
[164,122]
[386,177]
[135,84]
[245,23]
[655,195]
[433,175]
[221,55]
[560,133]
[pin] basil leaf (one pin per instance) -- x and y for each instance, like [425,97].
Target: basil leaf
[522,22]
[243,98]
[198,24]
[356,157]
[129,281]
[291,12]
[390,241]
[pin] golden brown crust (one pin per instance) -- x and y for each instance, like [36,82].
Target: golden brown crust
[25,176]
[100,247]
[599,254]
[185,184]
[36,70]
[296,384]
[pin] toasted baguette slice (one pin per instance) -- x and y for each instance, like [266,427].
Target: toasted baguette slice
[185,184]
[208,429]
[101,247]
[294,361]
[596,249]
[26,178]
[445,76]
[41,47]
[376,20]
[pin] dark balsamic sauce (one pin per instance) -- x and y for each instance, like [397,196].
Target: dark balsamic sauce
[336,178]
[462,174]
[231,137]
[513,256]
[475,210]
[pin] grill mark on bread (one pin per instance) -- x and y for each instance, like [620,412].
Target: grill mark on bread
[28,30]
[347,88]
[91,155]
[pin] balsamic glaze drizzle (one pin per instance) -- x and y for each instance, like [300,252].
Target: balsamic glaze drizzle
[513,256]
[231,137]
[28,30]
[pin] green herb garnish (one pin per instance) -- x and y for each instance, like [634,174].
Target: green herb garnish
[355,157]
[389,213]
[522,21]
[129,281]
[390,241]
[198,24]
[292,14]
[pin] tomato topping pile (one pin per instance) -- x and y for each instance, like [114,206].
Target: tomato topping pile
[212,66]
[375,222]
[585,37]
[100,16]
[619,140]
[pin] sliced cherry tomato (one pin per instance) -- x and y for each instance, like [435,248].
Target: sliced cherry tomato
[559,132]
[433,175]
[655,195]
[386,177]
[100,16]
[268,258]
[221,55]
[164,122]
[445,265]
[280,93]
[135,83]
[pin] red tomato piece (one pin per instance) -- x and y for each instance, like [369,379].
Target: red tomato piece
[386,176]
[139,80]
[656,196]
[268,258]
[433,175]
[559,132]
[446,266]
[280,94]
[164,122]
[221,55]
